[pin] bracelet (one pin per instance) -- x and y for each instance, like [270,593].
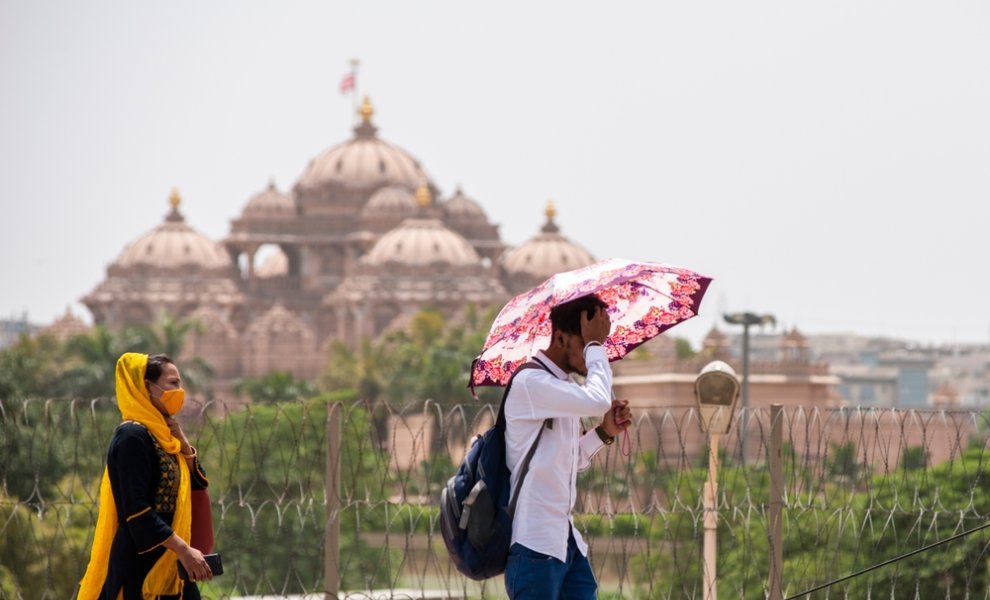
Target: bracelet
[592,343]
[604,436]
[193,455]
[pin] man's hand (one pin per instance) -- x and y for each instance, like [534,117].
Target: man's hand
[618,418]
[596,326]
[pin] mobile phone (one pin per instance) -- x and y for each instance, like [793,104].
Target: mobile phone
[212,560]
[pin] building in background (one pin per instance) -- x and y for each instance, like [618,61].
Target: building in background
[13,328]
[362,241]
[365,238]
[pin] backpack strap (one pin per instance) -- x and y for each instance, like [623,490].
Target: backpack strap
[500,419]
[547,424]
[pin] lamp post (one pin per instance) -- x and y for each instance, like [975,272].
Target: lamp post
[746,319]
[716,390]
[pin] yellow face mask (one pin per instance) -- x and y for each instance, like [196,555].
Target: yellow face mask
[172,400]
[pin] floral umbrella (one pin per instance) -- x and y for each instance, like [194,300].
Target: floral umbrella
[644,299]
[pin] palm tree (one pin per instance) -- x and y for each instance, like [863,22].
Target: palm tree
[30,368]
[91,359]
[368,370]
[168,336]
[277,386]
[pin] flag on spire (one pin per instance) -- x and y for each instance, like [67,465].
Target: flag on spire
[347,83]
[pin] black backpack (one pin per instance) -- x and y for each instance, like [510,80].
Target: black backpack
[475,507]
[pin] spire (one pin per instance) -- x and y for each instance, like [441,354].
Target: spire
[367,110]
[366,129]
[423,196]
[550,211]
[174,200]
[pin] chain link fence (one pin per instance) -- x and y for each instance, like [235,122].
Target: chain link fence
[860,487]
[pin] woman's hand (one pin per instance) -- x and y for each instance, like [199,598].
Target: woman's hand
[180,435]
[192,559]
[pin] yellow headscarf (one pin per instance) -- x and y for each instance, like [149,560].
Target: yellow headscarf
[135,405]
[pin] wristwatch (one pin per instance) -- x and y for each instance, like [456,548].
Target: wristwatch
[604,436]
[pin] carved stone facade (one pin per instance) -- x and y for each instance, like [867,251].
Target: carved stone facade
[357,246]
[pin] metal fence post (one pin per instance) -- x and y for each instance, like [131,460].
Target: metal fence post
[776,501]
[331,541]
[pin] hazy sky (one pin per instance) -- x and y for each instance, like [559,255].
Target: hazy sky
[824,162]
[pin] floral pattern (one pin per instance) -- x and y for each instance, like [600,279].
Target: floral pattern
[168,481]
[645,299]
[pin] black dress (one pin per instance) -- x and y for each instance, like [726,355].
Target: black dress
[145,483]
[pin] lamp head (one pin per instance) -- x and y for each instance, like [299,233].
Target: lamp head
[716,391]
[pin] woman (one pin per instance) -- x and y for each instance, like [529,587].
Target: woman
[145,516]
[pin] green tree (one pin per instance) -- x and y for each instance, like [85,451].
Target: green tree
[53,454]
[277,386]
[367,370]
[433,360]
[267,468]
[43,441]
[29,368]
[914,458]
[430,360]
[168,336]
[91,360]
[683,348]
[918,508]
[842,464]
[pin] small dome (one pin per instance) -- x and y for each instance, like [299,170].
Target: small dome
[275,265]
[363,162]
[174,244]
[422,242]
[66,327]
[279,320]
[546,254]
[715,337]
[460,206]
[391,200]
[794,338]
[212,323]
[270,203]
[279,340]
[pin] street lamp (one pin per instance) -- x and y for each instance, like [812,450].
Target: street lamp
[716,390]
[746,319]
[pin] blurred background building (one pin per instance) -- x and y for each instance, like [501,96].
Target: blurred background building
[365,238]
[362,241]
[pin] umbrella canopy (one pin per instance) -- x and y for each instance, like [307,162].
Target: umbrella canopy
[644,299]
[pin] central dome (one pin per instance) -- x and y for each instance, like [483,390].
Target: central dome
[363,163]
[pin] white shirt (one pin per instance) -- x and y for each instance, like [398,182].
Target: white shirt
[543,511]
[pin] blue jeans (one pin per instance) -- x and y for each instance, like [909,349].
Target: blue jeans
[533,576]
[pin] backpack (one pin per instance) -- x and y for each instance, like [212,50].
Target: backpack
[475,508]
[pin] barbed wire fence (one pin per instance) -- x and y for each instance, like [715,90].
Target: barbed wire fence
[859,487]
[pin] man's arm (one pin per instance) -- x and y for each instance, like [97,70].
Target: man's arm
[616,420]
[545,397]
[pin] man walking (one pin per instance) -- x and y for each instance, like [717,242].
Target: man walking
[548,559]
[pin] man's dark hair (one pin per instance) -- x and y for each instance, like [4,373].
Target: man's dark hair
[566,317]
[156,364]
